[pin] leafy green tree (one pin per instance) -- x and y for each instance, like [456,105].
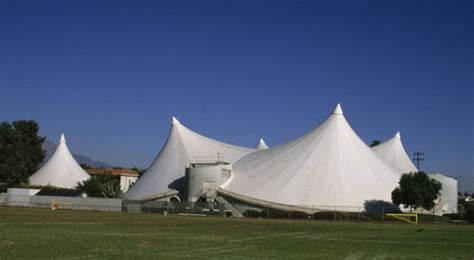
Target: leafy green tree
[375,143]
[20,151]
[416,190]
[101,186]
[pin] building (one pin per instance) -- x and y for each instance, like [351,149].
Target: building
[127,177]
[329,166]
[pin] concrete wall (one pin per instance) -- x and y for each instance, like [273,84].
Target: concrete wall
[80,203]
[22,191]
[3,198]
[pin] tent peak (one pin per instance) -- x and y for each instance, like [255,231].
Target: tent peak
[62,139]
[174,121]
[338,109]
[261,145]
[398,136]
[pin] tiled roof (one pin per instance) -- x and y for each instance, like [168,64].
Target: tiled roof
[121,172]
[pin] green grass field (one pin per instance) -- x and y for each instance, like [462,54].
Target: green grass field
[43,233]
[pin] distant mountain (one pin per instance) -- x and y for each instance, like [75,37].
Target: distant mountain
[94,164]
[50,147]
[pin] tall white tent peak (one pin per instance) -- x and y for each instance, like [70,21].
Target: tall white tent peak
[174,121]
[261,145]
[62,139]
[338,109]
[394,155]
[316,169]
[398,136]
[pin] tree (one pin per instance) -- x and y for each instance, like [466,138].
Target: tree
[101,186]
[31,142]
[416,190]
[20,151]
[375,143]
[466,209]
[140,171]
[85,166]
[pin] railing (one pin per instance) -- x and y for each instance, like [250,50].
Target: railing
[331,213]
[320,212]
[165,207]
[207,159]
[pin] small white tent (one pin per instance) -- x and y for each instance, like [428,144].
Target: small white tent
[394,155]
[182,146]
[61,170]
[329,165]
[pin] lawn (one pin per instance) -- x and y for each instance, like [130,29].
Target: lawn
[43,233]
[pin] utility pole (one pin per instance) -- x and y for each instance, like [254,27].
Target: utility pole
[459,184]
[418,157]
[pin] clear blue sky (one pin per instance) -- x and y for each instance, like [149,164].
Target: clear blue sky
[110,74]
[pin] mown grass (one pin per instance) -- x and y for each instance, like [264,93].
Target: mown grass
[43,233]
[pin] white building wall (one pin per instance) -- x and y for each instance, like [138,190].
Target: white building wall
[126,182]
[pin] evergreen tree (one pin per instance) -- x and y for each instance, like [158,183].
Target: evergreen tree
[30,143]
[20,151]
[374,143]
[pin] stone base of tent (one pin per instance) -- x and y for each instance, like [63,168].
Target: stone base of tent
[253,202]
[157,196]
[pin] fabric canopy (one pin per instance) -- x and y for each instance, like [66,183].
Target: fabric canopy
[329,165]
[61,170]
[182,146]
[394,155]
[261,145]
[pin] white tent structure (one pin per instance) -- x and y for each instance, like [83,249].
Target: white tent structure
[183,146]
[448,200]
[394,155]
[329,165]
[261,145]
[61,170]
